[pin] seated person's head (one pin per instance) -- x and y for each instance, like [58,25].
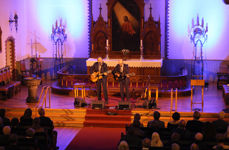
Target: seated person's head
[218,147]
[220,138]
[123,145]
[175,137]
[6,130]
[28,113]
[2,113]
[14,122]
[199,136]
[176,116]
[156,115]
[221,115]
[137,117]
[194,146]
[30,132]
[182,123]
[146,143]
[196,115]
[41,112]
[175,146]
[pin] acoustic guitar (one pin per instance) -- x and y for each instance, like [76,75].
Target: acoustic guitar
[123,76]
[95,76]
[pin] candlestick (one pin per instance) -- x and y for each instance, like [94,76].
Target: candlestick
[107,42]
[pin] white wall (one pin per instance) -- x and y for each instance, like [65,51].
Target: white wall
[8,7]
[214,12]
[35,17]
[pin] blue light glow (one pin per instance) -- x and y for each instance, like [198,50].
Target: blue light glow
[181,13]
[72,12]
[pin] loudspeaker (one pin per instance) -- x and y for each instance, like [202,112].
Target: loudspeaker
[97,104]
[124,105]
[80,102]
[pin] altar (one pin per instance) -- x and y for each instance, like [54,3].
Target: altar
[139,67]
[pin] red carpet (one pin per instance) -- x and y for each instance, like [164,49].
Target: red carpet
[100,118]
[96,139]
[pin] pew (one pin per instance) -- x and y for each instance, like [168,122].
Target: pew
[8,87]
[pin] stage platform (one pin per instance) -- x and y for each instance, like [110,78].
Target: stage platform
[63,112]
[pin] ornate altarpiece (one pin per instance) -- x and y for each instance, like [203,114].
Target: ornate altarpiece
[149,32]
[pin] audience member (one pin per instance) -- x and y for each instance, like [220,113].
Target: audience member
[134,137]
[209,131]
[123,145]
[156,140]
[175,137]
[5,138]
[146,144]
[181,128]
[175,146]
[227,133]
[194,146]
[36,125]
[6,121]
[218,147]
[175,122]
[220,141]
[199,141]
[13,143]
[156,123]
[45,121]
[30,132]
[6,130]
[136,123]
[26,119]
[14,125]
[195,125]
[220,124]
[1,125]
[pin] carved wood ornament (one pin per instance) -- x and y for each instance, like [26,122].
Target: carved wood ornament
[149,33]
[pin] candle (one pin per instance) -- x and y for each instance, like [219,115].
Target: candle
[141,43]
[107,42]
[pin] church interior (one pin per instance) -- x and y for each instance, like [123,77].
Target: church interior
[114,74]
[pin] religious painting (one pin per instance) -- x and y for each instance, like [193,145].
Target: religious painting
[125,26]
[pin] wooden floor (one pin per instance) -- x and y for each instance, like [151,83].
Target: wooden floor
[213,101]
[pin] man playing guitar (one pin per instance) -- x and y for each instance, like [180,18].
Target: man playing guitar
[100,68]
[121,73]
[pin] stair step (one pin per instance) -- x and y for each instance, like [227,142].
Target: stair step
[99,123]
[107,117]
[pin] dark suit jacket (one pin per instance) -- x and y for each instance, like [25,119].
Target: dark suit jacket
[156,124]
[194,126]
[46,122]
[95,67]
[220,125]
[117,69]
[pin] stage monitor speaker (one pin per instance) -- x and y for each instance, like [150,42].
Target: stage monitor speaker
[124,105]
[97,104]
[80,102]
